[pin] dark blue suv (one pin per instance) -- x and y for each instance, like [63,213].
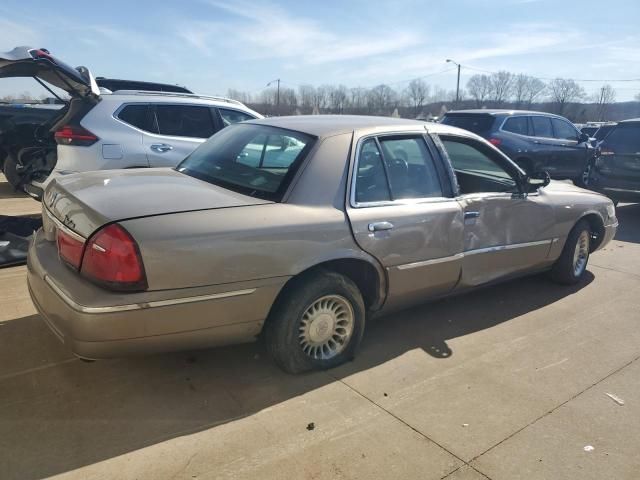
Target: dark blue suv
[534,140]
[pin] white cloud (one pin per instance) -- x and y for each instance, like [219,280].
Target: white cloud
[268,31]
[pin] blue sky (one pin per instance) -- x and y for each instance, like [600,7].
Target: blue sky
[213,45]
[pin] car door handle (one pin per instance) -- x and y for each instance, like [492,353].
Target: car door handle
[468,215]
[380,226]
[161,147]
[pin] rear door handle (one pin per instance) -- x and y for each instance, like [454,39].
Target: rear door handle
[380,226]
[468,215]
[161,147]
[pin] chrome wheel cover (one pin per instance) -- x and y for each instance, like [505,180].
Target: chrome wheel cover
[581,253]
[326,327]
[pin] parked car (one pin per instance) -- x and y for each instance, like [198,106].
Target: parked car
[602,132]
[100,130]
[297,228]
[616,173]
[534,140]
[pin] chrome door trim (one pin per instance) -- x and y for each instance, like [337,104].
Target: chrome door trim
[143,305]
[426,263]
[498,248]
[459,256]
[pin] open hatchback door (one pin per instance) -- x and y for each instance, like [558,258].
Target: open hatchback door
[41,65]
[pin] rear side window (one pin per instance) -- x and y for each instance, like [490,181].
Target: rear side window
[519,125]
[137,115]
[542,127]
[184,121]
[233,116]
[603,131]
[479,124]
[624,139]
[396,168]
[563,130]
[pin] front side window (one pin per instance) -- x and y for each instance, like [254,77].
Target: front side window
[256,160]
[563,130]
[230,117]
[184,121]
[519,125]
[475,169]
[542,127]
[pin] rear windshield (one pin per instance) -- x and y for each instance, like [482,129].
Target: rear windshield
[255,160]
[624,139]
[479,124]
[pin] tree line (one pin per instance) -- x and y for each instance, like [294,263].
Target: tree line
[420,100]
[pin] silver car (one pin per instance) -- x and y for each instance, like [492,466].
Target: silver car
[297,229]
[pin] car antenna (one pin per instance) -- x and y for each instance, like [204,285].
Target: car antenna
[50,91]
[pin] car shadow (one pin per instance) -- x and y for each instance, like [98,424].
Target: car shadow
[58,413]
[629,219]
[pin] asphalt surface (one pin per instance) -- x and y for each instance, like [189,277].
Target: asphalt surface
[522,380]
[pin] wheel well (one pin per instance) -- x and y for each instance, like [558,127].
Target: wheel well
[360,272]
[597,229]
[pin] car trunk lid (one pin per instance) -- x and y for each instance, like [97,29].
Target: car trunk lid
[84,203]
[41,65]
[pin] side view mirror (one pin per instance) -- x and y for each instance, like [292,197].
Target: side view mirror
[537,180]
[583,137]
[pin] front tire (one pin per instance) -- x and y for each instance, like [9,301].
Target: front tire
[572,263]
[317,324]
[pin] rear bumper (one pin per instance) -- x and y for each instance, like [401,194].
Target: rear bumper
[94,323]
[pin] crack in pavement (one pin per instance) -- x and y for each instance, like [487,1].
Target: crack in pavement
[410,427]
[555,408]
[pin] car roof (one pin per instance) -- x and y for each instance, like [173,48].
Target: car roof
[500,111]
[329,125]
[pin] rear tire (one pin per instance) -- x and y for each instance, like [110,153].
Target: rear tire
[317,324]
[572,263]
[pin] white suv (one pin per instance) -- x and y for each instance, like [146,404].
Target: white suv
[100,129]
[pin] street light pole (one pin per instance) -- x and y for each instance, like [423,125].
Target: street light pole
[277,94]
[458,84]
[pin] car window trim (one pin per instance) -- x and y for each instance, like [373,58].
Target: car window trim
[154,106]
[402,201]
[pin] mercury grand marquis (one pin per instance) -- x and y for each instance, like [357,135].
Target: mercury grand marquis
[296,230]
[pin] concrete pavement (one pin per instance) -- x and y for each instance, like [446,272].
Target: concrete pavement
[503,383]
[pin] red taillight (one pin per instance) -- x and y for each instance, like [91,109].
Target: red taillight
[69,248]
[75,135]
[112,258]
[495,141]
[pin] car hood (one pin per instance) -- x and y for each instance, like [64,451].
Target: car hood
[566,186]
[40,64]
[85,202]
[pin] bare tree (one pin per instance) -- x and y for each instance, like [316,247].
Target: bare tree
[565,91]
[321,96]
[338,98]
[417,93]
[382,97]
[241,96]
[604,98]
[501,86]
[358,98]
[479,88]
[526,89]
[306,94]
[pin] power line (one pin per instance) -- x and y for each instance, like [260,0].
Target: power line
[553,78]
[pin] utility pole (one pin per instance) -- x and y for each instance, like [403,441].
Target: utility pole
[277,80]
[458,84]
